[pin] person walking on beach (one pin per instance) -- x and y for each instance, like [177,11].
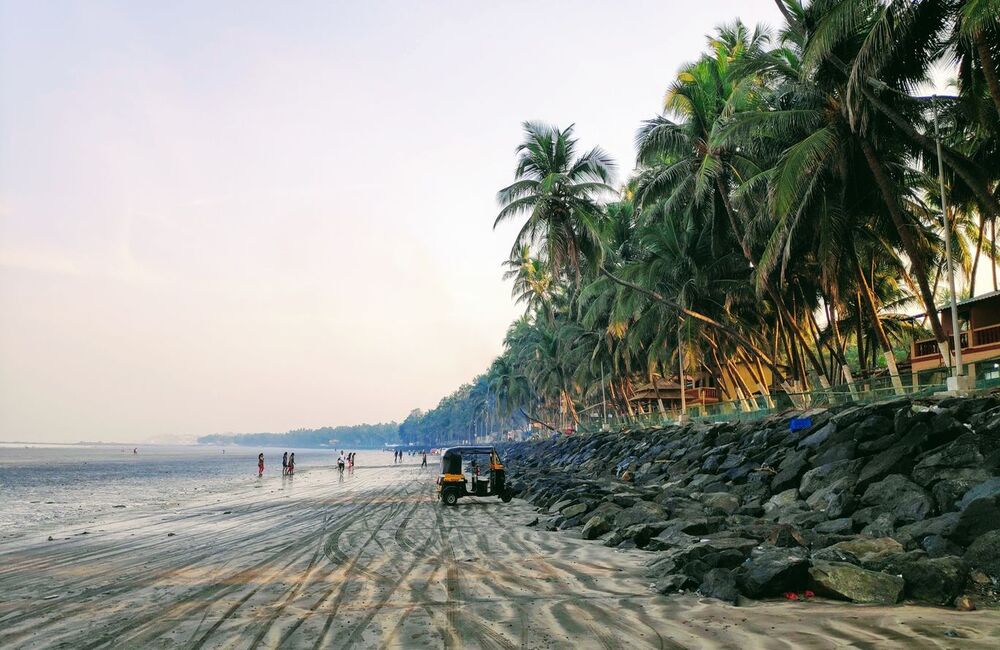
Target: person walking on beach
[291,464]
[423,463]
[260,464]
[284,464]
[350,461]
[341,461]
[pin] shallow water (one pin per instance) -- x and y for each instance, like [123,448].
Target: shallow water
[46,486]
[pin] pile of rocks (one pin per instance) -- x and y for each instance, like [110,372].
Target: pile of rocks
[873,504]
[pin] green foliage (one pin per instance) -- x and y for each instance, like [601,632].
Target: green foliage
[358,436]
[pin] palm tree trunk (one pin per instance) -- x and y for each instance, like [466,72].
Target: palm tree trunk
[993,250]
[758,377]
[890,356]
[772,293]
[989,68]
[909,245]
[741,386]
[975,260]
[838,340]
[727,331]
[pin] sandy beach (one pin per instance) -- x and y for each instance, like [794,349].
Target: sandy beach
[375,562]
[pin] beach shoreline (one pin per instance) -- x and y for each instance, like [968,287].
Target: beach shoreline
[375,561]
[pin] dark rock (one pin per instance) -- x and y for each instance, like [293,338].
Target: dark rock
[595,527]
[932,580]
[941,462]
[901,497]
[672,582]
[849,582]
[783,503]
[943,525]
[835,500]
[984,553]
[843,451]
[574,510]
[643,512]
[790,470]
[938,546]
[721,584]
[954,484]
[841,526]
[882,526]
[897,459]
[826,475]
[870,553]
[980,511]
[785,536]
[770,571]
[723,501]
[818,437]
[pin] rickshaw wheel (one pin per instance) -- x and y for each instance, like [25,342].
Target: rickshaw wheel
[450,497]
[506,496]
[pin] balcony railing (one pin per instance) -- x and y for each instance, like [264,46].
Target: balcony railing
[981,336]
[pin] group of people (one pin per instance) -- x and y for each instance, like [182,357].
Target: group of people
[397,456]
[287,464]
[345,460]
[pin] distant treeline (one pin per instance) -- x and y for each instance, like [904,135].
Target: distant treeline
[354,436]
[472,410]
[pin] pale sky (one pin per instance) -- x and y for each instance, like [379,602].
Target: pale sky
[249,216]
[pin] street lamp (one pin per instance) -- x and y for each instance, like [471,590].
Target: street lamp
[955,382]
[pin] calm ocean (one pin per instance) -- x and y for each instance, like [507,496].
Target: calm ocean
[46,486]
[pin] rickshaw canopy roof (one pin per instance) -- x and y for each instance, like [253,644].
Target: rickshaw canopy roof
[459,451]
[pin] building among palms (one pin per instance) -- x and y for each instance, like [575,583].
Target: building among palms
[979,332]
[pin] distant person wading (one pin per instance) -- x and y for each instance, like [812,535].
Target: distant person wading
[260,465]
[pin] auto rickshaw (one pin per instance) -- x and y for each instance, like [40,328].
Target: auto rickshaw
[486,475]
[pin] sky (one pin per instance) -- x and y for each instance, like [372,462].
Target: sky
[259,216]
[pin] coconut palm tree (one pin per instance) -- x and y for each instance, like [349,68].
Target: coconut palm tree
[560,192]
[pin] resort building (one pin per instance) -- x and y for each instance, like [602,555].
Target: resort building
[979,329]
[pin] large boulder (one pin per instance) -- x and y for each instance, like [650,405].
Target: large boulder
[784,503]
[835,500]
[643,512]
[790,470]
[721,584]
[900,497]
[942,462]
[574,510]
[984,553]
[931,580]
[870,553]
[596,526]
[818,437]
[943,525]
[980,511]
[771,570]
[724,501]
[849,582]
[825,475]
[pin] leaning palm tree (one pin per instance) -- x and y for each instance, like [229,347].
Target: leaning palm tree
[560,192]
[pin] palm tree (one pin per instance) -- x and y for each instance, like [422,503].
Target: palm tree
[560,193]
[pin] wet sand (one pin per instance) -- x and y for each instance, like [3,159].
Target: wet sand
[375,562]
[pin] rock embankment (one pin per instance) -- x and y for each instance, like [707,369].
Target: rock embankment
[874,504]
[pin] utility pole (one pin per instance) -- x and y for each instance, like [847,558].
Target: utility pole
[604,401]
[955,383]
[680,364]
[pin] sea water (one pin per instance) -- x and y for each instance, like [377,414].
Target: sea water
[49,486]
